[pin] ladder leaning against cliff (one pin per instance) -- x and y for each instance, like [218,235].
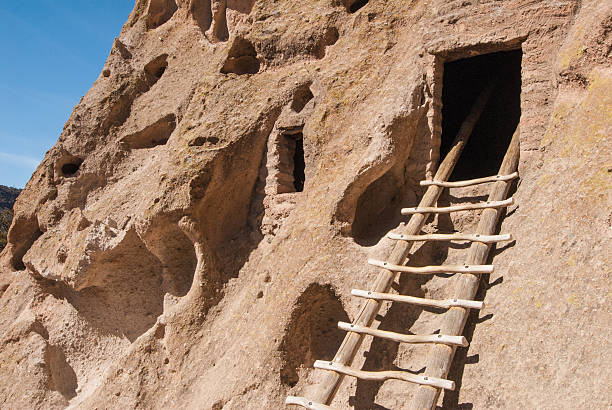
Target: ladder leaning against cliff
[444,344]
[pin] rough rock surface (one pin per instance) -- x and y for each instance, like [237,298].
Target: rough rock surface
[162,255]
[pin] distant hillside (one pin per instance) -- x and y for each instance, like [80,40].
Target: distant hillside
[8,196]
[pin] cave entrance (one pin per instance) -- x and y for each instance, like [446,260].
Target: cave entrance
[463,81]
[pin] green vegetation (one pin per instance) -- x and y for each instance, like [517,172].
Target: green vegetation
[6,215]
[8,196]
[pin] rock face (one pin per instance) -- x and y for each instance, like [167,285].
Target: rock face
[192,238]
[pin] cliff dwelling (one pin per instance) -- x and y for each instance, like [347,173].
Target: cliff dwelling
[280,204]
[463,80]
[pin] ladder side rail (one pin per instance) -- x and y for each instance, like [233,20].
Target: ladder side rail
[326,389]
[440,357]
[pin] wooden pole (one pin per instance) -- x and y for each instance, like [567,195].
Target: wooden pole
[304,402]
[440,357]
[427,270]
[386,375]
[456,208]
[442,304]
[325,391]
[472,237]
[402,338]
[469,182]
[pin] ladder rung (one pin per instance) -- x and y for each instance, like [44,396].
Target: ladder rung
[402,338]
[445,304]
[468,182]
[455,208]
[304,402]
[476,237]
[425,270]
[386,375]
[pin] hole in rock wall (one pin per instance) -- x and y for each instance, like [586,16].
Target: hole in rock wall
[155,69]
[177,255]
[353,5]
[22,235]
[125,294]
[70,169]
[299,165]
[329,38]
[121,108]
[202,13]
[68,165]
[242,58]
[301,97]
[215,18]
[159,12]
[463,81]
[153,135]
[291,172]
[378,210]
[312,333]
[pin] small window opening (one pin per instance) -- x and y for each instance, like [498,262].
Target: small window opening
[291,169]
[463,82]
[299,165]
[155,69]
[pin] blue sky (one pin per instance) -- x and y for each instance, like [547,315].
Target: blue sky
[52,52]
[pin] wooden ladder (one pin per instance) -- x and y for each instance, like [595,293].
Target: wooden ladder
[445,343]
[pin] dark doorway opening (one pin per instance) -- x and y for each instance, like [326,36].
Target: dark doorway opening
[299,165]
[463,81]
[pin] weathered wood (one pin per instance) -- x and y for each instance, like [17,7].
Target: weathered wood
[427,270]
[472,237]
[440,357]
[304,402]
[386,375]
[469,182]
[443,304]
[402,338]
[455,208]
[347,350]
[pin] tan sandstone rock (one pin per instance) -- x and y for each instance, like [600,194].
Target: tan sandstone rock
[165,255]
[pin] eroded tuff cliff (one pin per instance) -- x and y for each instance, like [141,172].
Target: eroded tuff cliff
[174,250]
